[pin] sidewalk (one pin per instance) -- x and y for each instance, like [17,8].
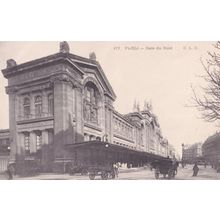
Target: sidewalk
[60,176]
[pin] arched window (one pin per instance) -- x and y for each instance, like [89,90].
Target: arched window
[91,102]
[38,106]
[26,107]
[50,104]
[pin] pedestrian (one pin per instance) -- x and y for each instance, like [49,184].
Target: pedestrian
[10,171]
[205,164]
[116,166]
[176,165]
[195,169]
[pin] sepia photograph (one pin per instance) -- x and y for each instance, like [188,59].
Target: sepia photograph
[119,110]
[109,110]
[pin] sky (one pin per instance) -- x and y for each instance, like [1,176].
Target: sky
[160,72]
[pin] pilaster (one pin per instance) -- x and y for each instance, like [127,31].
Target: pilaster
[79,115]
[12,126]
[63,109]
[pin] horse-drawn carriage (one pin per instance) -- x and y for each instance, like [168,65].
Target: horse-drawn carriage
[165,167]
[105,171]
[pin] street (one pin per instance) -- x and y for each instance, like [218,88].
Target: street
[185,173]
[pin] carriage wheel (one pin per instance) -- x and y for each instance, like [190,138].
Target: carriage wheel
[104,175]
[91,176]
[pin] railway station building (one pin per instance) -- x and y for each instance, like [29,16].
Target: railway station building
[64,99]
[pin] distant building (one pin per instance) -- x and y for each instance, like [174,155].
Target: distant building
[211,149]
[191,153]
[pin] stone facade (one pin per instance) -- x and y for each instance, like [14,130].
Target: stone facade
[211,149]
[64,99]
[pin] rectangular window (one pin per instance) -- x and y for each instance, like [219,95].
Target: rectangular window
[39,140]
[26,111]
[38,110]
[27,142]
[50,105]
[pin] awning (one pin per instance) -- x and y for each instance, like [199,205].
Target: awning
[109,147]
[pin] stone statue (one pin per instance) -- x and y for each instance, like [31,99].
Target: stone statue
[135,106]
[64,47]
[11,63]
[145,105]
[86,111]
[93,115]
[92,56]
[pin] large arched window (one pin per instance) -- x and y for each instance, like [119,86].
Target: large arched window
[26,107]
[50,104]
[38,106]
[91,103]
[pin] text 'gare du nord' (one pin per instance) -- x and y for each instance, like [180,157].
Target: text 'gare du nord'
[61,112]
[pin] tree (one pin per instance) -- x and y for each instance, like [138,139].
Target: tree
[209,103]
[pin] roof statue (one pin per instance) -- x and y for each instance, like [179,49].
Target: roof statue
[147,106]
[11,63]
[138,107]
[64,47]
[92,56]
[135,106]
[150,106]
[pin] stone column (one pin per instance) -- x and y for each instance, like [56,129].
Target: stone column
[63,126]
[45,139]
[74,114]
[111,125]
[21,107]
[73,103]
[12,125]
[102,117]
[45,156]
[107,122]
[21,143]
[79,115]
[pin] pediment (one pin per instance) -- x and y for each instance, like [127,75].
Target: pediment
[94,70]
